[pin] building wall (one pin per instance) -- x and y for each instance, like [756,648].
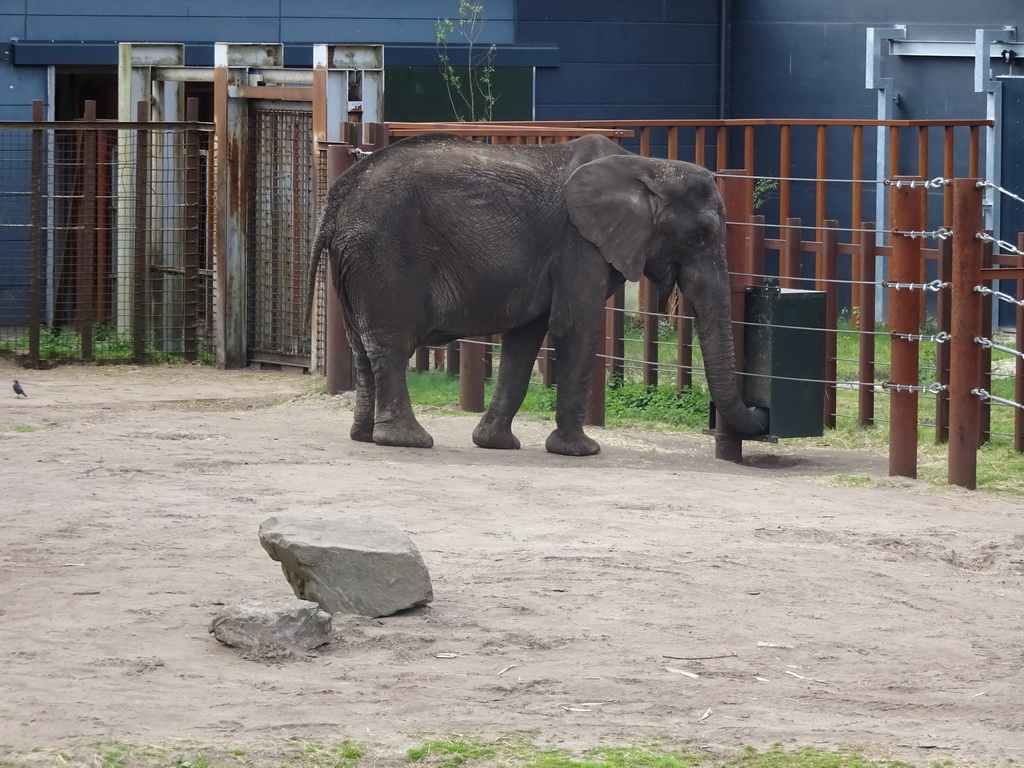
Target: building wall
[639,59]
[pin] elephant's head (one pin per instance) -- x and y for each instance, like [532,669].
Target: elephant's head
[665,219]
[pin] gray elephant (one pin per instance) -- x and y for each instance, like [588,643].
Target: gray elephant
[437,237]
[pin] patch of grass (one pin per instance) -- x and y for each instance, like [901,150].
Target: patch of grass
[315,754]
[853,481]
[109,346]
[454,751]
[26,429]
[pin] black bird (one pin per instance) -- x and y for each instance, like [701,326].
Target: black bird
[18,391]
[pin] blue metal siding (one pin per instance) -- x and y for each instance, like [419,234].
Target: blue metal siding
[643,59]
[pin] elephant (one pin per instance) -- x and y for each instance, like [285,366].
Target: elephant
[437,237]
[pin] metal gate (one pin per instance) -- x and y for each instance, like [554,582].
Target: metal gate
[280,214]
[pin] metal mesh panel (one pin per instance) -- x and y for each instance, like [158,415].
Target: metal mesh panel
[320,306]
[278,235]
[105,245]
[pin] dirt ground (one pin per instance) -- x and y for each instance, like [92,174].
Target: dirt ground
[566,590]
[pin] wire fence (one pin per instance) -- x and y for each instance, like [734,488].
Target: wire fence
[106,242]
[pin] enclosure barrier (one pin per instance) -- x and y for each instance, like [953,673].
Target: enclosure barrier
[105,234]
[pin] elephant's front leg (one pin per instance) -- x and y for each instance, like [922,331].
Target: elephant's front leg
[519,349]
[575,345]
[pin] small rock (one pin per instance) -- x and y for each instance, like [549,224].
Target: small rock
[352,565]
[287,622]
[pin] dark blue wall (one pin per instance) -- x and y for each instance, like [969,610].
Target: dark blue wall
[641,59]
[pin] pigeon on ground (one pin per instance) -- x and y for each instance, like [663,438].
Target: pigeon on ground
[18,391]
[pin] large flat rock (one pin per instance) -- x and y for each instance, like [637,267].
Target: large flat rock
[349,565]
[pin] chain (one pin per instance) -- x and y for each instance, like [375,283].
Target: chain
[984,395]
[985,237]
[999,295]
[935,286]
[997,188]
[939,338]
[942,233]
[937,183]
[931,389]
[989,344]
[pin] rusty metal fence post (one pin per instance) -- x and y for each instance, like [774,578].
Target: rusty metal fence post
[965,352]
[1018,388]
[337,351]
[35,313]
[472,363]
[904,321]
[827,278]
[193,198]
[866,326]
[737,194]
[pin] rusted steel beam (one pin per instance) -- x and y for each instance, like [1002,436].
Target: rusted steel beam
[38,226]
[337,350]
[1002,273]
[673,142]
[922,171]
[471,374]
[684,343]
[821,168]
[729,444]
[617,332]
[645,141]
[857,208]
[140,276]
[828,281]
[1018,388]
[948,144]
[973,150]
[942,322]
[905,215]
[722,148]
[193,197]
[785,162]
[699,145]
[894,151]
[649,322]
[985,422]
[866,326]
[789,258]
[86,294]
[965,353]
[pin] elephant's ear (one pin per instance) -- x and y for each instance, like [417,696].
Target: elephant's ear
[611,207]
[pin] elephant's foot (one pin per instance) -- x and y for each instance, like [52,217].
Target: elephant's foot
[361,432]
[402,434]
[571,443]
[491,436]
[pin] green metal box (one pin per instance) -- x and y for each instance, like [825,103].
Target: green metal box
[784,349]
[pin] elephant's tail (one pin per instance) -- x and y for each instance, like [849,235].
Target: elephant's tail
[321,239]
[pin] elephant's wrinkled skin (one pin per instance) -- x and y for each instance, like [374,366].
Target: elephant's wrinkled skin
[437,238]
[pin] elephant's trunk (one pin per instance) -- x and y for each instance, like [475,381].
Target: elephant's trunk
[714,330]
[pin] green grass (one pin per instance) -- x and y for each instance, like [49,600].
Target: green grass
[108,347]
[451,752]
[630,404]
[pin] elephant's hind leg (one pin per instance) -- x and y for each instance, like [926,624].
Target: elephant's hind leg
[362,423]
[394,422]
[519,349]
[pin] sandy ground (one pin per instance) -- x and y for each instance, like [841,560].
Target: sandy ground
[808,612]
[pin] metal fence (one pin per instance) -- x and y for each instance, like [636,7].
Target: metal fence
[106,241]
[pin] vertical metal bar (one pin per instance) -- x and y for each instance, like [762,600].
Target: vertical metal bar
[785,148]
[673,152]
[649,322]
[972,153]
[339,362]
[1018,388]
[857,212]
[617,329]
[100,313]
[828,281]
[87,238]
[947,172]
[985,422]
[748,152]
[35,278]
[894,151]
[942,322]
[471,374]
[790,256]
[905,215]
[596,401]
[866,367]
[722,147]
[193,195]
[728,444]
[684,344]
[965,353]
[922,171]
[140,274]
[699,144]
[822,174]
[645,141]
